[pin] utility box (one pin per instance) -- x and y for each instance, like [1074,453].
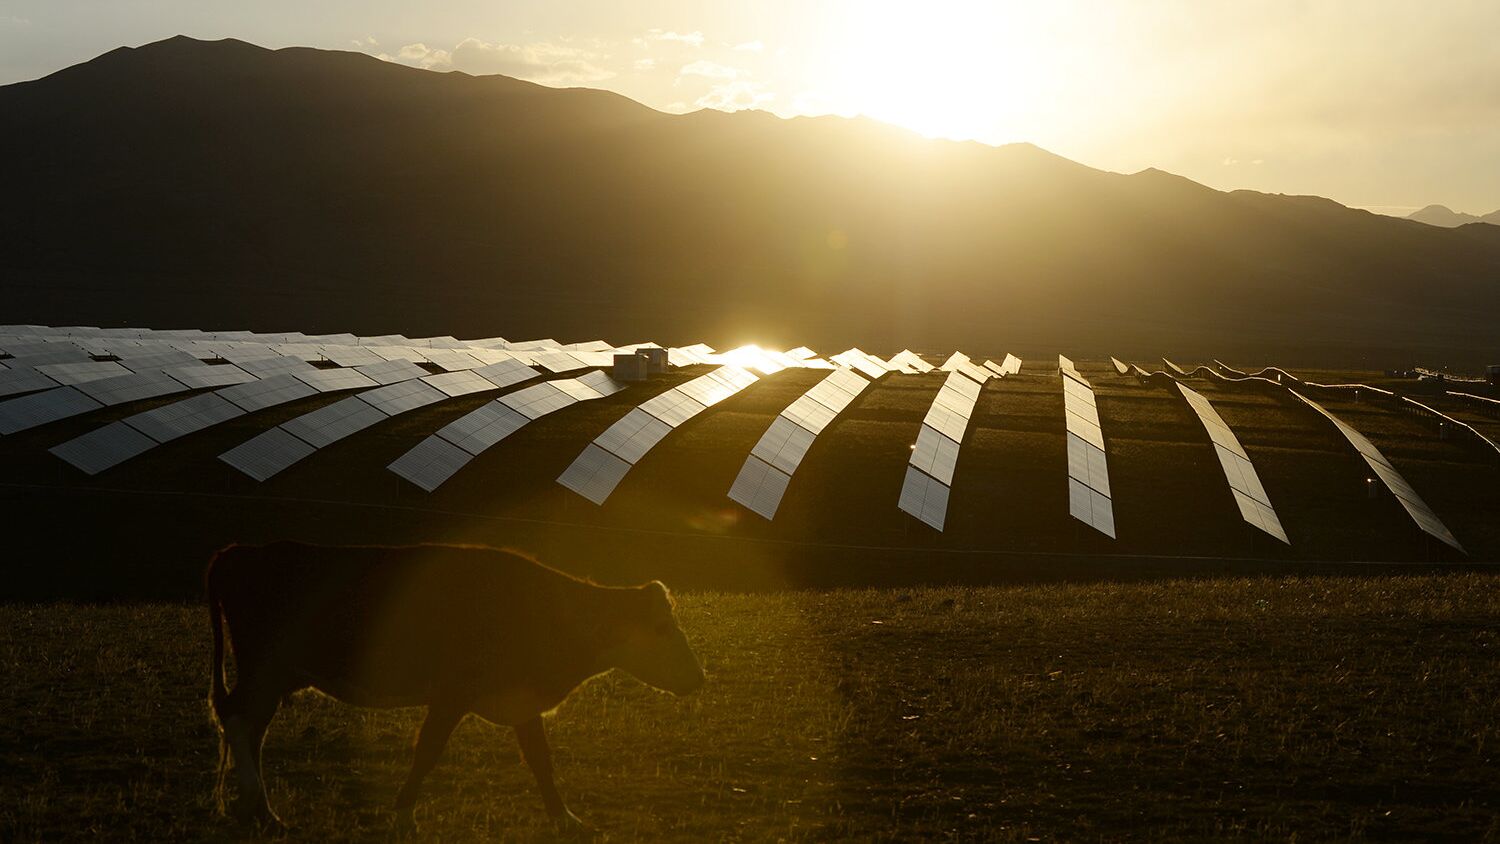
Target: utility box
[1493,373]
[630,367]
[656,360]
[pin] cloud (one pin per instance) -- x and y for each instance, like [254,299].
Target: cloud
[644,64]
[545,62]
[692,39]
[750,47]
[710,70]
[736,95]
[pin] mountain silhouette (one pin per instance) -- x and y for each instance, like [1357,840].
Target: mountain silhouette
[1442,215]
[222,185]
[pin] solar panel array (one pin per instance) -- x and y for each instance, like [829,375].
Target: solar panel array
[1249,495]
[605,461]
[1420,513]
[1089,498]
[440,456]
[768,469]
[929,472]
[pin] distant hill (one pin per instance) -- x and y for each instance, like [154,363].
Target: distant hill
[1442,215]
[223,185]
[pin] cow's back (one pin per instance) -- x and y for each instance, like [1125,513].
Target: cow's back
[386,625]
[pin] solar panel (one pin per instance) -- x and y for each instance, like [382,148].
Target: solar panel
[811,414]
[909,362]
[203,376]
[265,367]
[935,454]
[504,373]
[802,353]
[79,373]
[866,364]
[267,392]
[104,447]
[177,419]
[1415,507]
[1087,464]
[385,340]
[29,411]
[483,427]
[594,474]
[760,487]
[706,390]
[537,400]
[1088,471]
[139,360]
[16,381]
[1091,507]
[44,354]
[333,422]
[351,355]
[452,360]
[601,383]
[946,422]
[784,444]
[266,454]
[260,359]
[329,380]
[553,361]
[390,371]
[924,497]
[673,407]
[453,384]
[432,462]
[1011,365]
[401,396]
[131,387]
[1120,367]
[632,435]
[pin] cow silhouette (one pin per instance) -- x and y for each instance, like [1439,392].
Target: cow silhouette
[457,629]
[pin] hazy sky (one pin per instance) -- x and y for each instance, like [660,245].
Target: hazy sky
[1381,104]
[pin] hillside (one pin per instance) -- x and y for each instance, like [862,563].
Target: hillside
[213,184]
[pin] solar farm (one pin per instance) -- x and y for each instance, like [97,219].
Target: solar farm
[749,458]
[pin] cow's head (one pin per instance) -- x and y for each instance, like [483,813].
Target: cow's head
[650,645]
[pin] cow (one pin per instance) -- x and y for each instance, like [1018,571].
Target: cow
[457,629]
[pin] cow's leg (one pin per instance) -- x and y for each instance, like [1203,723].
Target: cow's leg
[245,729]
[436,728]
[532,737]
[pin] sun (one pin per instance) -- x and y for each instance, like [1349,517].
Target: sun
[960,70]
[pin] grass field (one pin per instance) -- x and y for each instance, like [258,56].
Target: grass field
[1253,709]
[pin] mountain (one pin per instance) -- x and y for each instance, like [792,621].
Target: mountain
[1442,215]
[223,185]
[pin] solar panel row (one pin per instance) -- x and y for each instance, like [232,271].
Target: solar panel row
[768,469]
[929,472]
[1407,495]
[1089,498]
[1249,495]
[603,464]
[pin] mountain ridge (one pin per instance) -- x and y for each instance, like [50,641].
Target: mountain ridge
[1442,215]
[192,182]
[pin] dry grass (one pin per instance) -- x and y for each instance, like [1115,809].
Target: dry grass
[1307,708]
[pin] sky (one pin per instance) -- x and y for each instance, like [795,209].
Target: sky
[1377,104]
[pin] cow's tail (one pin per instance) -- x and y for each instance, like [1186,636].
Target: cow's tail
[218,692]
